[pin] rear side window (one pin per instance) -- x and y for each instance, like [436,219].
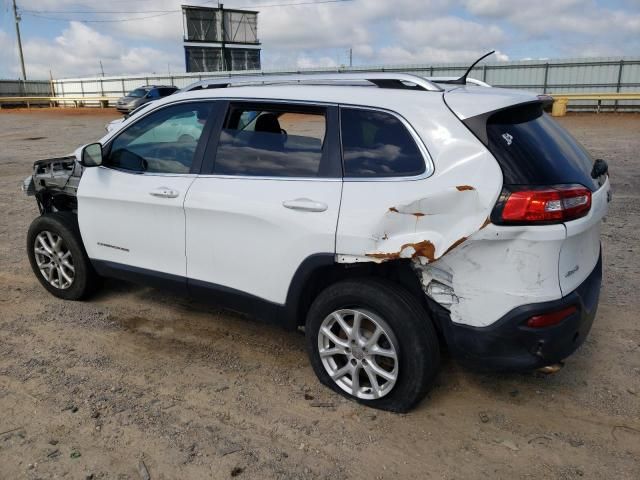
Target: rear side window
[277,141]
[533,149]
[377,144]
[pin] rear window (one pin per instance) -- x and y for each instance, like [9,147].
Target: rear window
[377,144]
[533,149]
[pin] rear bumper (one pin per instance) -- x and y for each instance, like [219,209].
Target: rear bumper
[509,344]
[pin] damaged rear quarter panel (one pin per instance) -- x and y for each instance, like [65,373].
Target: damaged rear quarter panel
[421,218]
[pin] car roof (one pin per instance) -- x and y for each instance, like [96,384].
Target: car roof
[469,100]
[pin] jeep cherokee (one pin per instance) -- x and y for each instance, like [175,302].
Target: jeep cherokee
[386,215]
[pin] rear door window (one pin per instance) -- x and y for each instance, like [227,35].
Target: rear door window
[377,144]
[272,141]
[533,149]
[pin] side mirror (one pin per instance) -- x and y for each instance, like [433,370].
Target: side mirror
[91,155]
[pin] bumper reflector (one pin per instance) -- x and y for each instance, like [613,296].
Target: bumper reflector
[551,318]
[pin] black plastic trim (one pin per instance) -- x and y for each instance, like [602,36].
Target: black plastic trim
[237,301]
[209,155]
[142,276]
[299,282]
[212,123]
[283,315]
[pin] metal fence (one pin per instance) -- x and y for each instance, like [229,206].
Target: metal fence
[585,75]
[30,88]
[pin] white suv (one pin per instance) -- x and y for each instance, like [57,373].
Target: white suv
[386,214]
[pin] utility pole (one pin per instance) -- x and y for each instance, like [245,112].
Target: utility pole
[351,57]
[101,68]
[17,19]
[222,29]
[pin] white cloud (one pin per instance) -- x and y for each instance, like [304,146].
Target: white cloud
[434,55]
[304,61]
[559,17]
[451,33]
[79,50]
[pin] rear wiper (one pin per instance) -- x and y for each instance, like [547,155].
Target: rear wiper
[600,167]
[463,79]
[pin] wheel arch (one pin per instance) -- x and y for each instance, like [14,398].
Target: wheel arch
[319,271]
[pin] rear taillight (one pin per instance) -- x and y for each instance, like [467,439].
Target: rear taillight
[544,205]
[551,318]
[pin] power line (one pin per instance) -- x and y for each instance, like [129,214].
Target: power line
[95,12]
[44,13]
[112,20]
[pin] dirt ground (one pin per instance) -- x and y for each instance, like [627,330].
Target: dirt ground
[89,390]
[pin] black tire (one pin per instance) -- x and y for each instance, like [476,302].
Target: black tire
[64,224]
[417,346]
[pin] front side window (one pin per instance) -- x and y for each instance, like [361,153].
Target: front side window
[377,144]
[272,141]
[162,142]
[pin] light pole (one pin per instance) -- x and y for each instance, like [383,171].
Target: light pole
[17,19]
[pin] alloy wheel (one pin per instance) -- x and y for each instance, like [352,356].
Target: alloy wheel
[359,352]
[54,260]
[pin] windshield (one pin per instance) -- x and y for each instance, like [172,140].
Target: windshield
[137,93]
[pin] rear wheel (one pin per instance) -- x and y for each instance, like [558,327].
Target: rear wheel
[371,341]
[58,258]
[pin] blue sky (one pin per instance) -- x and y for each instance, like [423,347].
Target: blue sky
[379,32]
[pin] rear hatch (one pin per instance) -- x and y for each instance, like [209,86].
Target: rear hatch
[541,162]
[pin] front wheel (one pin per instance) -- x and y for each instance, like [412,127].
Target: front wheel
[58,258]
[371,341]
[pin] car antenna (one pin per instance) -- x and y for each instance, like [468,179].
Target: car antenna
[463,79]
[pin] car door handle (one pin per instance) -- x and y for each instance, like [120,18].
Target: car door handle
[164,192]
[305,205]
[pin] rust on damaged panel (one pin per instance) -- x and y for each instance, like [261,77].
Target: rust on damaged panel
[462,188]
[415,214]
[424,249]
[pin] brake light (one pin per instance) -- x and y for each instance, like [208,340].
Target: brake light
[556,204]
[552,318]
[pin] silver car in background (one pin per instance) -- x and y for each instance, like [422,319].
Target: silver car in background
[142,95]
